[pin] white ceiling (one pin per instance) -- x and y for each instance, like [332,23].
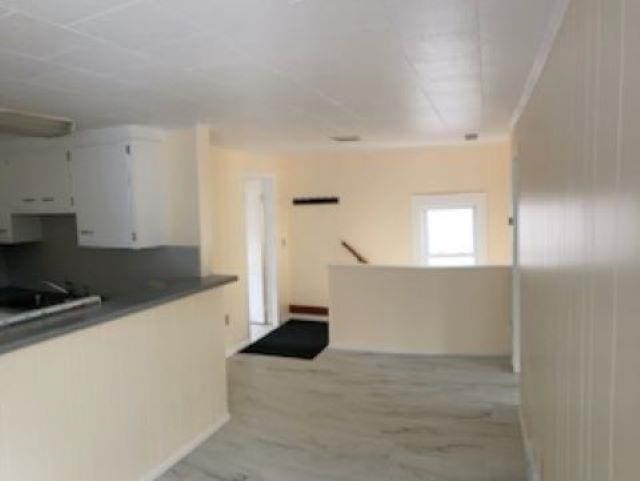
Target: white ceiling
[268,72]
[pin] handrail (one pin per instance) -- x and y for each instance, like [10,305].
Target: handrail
[354,253]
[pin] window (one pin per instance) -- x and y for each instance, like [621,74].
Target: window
[449,229]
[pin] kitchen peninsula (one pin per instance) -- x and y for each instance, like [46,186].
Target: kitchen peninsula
[122,388]
[116,391]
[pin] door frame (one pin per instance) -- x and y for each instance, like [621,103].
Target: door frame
[516,322]
[268,184]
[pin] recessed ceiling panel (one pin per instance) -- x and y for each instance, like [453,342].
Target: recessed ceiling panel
[275,71]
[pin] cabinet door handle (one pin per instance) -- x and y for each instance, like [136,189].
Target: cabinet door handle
[86,232]
[28,200]
[4,231]
[48,199]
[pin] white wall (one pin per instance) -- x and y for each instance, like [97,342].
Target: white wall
[117,401]
[577,147]
[421,310]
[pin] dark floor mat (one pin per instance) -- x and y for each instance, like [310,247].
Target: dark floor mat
[300,339]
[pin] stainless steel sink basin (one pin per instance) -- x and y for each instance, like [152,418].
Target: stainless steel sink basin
[19,305]
[27,299]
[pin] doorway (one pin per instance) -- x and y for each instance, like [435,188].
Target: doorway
[262,271]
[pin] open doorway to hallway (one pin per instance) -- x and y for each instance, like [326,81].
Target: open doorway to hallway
[262,272]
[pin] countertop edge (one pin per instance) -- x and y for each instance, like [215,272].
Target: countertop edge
[207,283]
[69,322]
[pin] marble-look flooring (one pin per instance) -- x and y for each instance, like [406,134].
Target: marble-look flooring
[364,417]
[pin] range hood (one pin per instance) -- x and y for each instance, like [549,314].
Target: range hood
[27,124]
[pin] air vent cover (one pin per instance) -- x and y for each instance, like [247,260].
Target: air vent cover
[346,138]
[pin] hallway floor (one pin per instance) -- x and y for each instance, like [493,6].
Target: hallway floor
[364,417]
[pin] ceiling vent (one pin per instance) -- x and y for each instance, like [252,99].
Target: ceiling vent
[346,138]
[471,137]
[28,124]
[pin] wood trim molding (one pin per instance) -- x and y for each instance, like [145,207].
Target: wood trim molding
[315,200]
[308,310]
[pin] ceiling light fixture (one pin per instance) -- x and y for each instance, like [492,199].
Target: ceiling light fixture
[29,124]
[346,138]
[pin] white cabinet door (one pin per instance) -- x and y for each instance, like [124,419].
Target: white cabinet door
[149,193]
[22,174]
[41,182]
[53,183]
[101,178]
[14,229]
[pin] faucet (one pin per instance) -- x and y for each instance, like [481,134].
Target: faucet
[56,287]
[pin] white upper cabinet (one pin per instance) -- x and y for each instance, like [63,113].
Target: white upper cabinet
[119,188]
[101,178]
[41,182]
[115,180]
[14,229]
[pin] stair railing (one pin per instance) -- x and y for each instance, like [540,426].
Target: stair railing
[354,253]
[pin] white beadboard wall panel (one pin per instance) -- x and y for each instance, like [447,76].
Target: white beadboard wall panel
[579,205]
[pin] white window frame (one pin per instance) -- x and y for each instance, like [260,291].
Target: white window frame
[476,201]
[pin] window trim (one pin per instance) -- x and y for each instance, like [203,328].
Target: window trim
[476,200]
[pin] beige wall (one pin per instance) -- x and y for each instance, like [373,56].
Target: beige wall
[207,191]
[374,215]
[230,169]
[578,145]
[118,401]
[421,311]
[183,214]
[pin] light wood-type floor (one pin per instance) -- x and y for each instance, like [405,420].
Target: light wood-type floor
[364,417]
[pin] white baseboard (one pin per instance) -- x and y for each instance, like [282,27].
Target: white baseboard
[237,348]
[533,470]
[185,450]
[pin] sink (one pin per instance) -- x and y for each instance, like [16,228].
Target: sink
[17,298]
[18,305]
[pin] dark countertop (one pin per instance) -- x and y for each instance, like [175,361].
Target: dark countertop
[153,294]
